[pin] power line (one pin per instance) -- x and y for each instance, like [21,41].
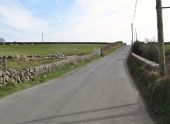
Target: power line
[134,16]
[135,10]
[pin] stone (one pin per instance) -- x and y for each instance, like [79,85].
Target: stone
[13,73]
[22,75]
[8,72]
[57,56]
[1,73]
[97,52]
[1,80]
[17,56]
[23,57]
[18,80]
[6,78]
[32,70]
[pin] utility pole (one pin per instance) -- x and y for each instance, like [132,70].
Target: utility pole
[42,37]
[162,66]
[136,35]
[132,32]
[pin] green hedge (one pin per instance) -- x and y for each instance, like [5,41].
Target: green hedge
[146,50]
[155,90]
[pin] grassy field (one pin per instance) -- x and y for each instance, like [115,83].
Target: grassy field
[12,87]
[44,50]
[18,64]
[167,47]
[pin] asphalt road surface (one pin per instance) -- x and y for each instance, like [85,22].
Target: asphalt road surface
[102,92]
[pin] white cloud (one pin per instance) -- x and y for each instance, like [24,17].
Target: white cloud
[146,20]
[14,15]
[97,20]
[85,20]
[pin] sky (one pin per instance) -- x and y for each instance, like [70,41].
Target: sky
[80,20]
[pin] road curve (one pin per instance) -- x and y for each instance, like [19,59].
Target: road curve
[102,92]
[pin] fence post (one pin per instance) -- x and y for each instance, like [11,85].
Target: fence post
[4,63]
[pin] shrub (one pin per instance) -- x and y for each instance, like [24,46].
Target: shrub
[155,90]
[137,48]
[152,52]
[147,50]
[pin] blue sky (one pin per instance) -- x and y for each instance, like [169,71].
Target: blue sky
[79,20]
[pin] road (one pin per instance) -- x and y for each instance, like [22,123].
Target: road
[102,92]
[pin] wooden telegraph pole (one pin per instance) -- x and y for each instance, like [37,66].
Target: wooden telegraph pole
[132,32]
[162,66]
[136,35]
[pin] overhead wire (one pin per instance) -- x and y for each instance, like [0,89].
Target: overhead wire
[135,10]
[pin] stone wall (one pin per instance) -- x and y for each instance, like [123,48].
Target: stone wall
[147,63]
[105,49]
[20,76]
[24,75]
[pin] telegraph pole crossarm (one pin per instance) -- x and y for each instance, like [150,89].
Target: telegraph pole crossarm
[167,7]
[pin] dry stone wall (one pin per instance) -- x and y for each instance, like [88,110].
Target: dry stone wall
[19,76]
[147,63]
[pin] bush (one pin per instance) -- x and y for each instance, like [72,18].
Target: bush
[167,52]
[155,90]
[137,48]
[146,50]
[151,52]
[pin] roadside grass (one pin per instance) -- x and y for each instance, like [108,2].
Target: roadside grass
[14,87]
[20,64]
[45,49]
[154,89]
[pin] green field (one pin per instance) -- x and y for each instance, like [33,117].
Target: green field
[44,50]
[167,47]
[14,87]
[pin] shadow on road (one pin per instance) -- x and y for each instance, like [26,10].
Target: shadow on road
[49,119]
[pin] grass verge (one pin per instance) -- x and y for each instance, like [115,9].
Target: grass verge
[14,87]
[154,89]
